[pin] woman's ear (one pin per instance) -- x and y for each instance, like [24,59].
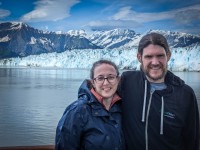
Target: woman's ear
[92,82]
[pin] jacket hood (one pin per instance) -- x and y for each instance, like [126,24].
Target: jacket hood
[84,90]
[173,79]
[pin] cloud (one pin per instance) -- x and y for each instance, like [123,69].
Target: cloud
[112,24]
[126,13]
[183,15]
[50,10]
[187,15]
[4,13]
[127,18]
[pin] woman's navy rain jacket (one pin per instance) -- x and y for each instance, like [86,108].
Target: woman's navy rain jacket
[87,125]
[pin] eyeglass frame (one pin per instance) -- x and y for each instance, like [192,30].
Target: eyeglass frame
[105,78]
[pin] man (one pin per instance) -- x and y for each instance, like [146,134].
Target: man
[160,111]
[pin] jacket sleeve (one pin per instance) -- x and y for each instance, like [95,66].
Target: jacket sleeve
[70,129]
[191,131]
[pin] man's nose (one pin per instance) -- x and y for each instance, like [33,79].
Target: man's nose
[155,61]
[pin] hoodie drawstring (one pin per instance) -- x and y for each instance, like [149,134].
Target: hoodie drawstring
[147,116]
[144,104]
[147,120]
[162,115]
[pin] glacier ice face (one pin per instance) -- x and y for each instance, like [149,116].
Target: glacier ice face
[182,59]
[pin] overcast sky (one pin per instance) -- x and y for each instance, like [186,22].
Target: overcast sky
[138,15]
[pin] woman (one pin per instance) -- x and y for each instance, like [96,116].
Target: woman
[94,120]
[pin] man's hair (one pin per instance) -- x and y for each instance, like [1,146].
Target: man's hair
[155,39]
[100,62]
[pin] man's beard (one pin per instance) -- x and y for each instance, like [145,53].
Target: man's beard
[147,72]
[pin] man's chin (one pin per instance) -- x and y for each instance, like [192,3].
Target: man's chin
[155,78]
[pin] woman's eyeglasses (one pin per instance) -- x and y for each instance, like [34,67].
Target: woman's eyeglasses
[101,79]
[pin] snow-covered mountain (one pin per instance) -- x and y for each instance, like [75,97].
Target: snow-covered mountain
[179,39]
[77,33]
[19,39]
[78,49]
[124,38]
[116,38]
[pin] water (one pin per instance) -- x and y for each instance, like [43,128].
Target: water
[32,101]
[192,79]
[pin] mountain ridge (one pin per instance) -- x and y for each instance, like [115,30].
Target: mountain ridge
[18,39]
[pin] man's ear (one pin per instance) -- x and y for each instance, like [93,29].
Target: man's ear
[139,57]
[168,55]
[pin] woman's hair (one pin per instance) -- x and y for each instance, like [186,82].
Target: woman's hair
[100,62]
[155,39]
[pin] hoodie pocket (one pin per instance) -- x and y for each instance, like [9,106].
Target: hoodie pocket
[172,124]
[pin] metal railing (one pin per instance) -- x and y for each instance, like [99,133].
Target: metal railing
[40,147]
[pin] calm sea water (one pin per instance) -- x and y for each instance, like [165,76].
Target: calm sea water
[32,101]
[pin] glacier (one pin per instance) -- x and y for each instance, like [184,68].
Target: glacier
[79,49]
[182,59]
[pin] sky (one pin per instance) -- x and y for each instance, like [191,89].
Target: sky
[138,15]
